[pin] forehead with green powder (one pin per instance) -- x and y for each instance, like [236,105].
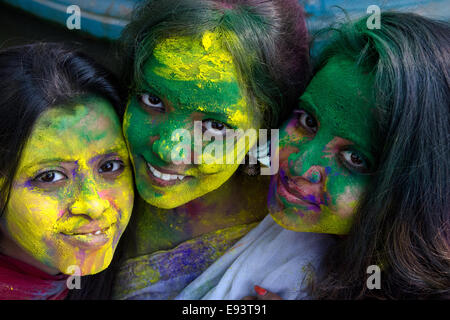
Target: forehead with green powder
[196,80]
[90,121]
[340,97]
[198,75]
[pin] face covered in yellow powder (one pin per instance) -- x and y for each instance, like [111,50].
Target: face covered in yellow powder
[72,195]
[186,81]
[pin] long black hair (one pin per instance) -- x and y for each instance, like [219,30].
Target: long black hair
[34,78]
[402,223]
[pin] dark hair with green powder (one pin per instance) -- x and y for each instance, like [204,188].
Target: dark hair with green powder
[402,223]
[270,51]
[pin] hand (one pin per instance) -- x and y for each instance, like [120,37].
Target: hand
[263,294]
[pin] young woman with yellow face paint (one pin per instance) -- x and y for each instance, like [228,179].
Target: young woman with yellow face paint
[201,66]
[364,156]
[66,182]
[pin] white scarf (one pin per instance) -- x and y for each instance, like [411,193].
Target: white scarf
[270,256]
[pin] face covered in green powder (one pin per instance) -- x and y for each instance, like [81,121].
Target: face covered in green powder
[326,152]
[186,80]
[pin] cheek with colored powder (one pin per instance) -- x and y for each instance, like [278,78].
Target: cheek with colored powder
[31,219]
[199,81]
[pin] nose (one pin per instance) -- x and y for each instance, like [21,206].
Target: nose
[315,174]
[173,146]
[309,163]
[88,202]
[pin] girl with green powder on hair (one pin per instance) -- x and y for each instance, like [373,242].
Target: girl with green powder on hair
[222,64]
[364,156]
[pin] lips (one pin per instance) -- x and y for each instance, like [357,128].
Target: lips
[89,236]
[89,229]
[295,192]
[163,177]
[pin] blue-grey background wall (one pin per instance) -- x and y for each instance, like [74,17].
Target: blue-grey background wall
[106,19]
[23,21]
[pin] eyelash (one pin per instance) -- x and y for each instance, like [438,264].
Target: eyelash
[36,179]
[300,121]
[147,104]
[121,166]
[362,169]
[144,96]
[225,126]
[117,171]
[301,113]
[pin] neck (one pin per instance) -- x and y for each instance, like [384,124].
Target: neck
[241,200]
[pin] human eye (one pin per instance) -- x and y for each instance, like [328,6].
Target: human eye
[150,101]
[111,167]
[51,176]
[306,121]
[355,161]
[214,127]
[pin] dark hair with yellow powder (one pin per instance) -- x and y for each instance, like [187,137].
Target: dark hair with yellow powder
[266,39]
[34,78]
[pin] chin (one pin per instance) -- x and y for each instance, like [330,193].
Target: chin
[96,267]
[164,202]
[169,200]
[296,220]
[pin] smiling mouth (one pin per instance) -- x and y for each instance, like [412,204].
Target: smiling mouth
[164,176]
[164,179]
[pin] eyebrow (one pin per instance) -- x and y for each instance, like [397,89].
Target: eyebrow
[221,116]
[351,137]
[111,152]
[307,99]
[148,86]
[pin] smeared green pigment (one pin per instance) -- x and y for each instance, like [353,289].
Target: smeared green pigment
[196,80]
[340,99]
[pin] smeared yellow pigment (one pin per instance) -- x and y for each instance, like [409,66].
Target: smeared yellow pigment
[212,61]
[198,81]
[73,141]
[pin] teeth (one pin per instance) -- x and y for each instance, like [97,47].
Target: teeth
[96,233]
[164,176]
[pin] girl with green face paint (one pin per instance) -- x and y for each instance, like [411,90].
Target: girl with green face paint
[186,80]
[209,66]
[364,156]
[66,184]
[326,152]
